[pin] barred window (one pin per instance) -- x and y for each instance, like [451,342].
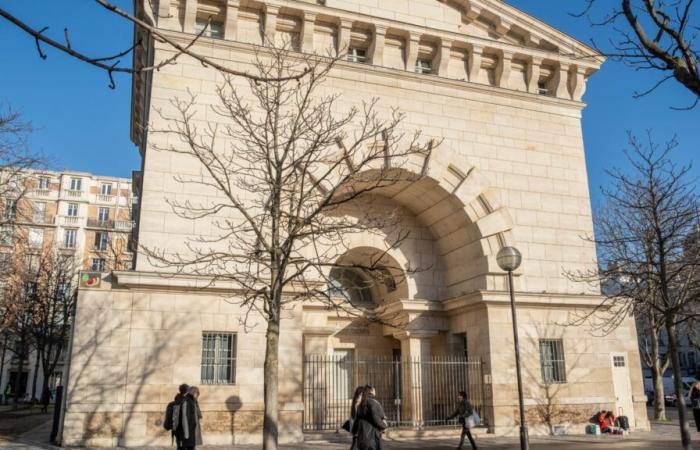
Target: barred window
[218,358]
[552,361]
[619,361]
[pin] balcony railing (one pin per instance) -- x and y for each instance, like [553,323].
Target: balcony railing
[105,198]
[42,192]
[70,220]
[73,194]
[124,225]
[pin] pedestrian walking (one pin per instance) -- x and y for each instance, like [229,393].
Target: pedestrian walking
[349,425]
[45,399]
[193,393]
[464,411]
[695,403]
[370,421]
[188,433]
[173,414]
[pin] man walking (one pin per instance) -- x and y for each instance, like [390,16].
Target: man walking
[463,411]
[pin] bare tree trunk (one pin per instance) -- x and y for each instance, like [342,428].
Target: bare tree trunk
[18,377]
[678,383]
[2,359]
[270,423]
[36,375]
[657,375]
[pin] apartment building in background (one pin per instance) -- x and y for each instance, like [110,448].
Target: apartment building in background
[86,218]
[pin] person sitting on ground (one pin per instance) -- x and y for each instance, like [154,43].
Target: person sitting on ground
[606,420]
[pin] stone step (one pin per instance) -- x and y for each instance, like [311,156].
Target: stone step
[394,433]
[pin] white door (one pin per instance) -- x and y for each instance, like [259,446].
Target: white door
[622,386]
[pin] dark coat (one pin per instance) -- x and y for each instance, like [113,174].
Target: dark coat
[369,424]
[463,410]
[186,432]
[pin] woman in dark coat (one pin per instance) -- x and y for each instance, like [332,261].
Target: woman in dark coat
[370,422]
[695,403]
[187,433]
[356,399]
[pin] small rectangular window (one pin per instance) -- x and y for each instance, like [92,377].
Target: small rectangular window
[5,235]
[10,209]
[44,183]
[39,212]
[619,361]
[103,214]
[106,189]
[73,209]
[69,238]
[36,237]
[76,184]
[218,358]
[424,66]
[357,55]
[101,240]
[98,265]
[214,30]
[552,362]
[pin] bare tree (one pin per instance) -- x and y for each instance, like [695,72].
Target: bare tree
[289,179]
[56,280]
[15,161]
[145,21]
[645,267]
[654,34]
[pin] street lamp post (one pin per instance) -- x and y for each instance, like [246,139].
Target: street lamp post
[509,259]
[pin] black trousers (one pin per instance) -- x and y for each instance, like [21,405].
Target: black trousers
[696,415]
[468,434]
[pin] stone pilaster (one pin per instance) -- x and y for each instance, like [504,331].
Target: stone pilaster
[533,75]
[412,43]
[442,63]
[474,63]
[231,25]
[377,48]
[561,81]
[577,82]
[344,35]
[415,349]
[307,32]
[504,69]
[190,16]
[270,27]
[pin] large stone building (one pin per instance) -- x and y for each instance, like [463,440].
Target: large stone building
[504,91]
[84,217]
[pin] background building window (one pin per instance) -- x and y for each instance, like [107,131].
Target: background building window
[73,210]
[76,184]
[215,29]
[36,237]
[5,235]
[98,265]
[44,182]
[552,361]
[39,212]
[103,214]
[101,240]
[357,55]
[424,66]
[218,358]
[69,238]
[10,209]
[106,189]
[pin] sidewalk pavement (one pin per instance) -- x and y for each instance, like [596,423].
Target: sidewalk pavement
[664,436]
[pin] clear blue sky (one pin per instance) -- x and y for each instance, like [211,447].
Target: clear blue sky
[85,126]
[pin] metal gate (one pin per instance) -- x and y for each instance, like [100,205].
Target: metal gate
[415,393]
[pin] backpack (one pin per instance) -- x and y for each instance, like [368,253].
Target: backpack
[172,416]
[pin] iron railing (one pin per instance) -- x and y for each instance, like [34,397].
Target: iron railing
[415,393]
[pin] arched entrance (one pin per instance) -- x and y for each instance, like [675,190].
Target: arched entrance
[456,228]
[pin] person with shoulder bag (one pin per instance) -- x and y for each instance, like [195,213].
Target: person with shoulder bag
[468,418]
[349,424]
[370,421]
[695,403]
